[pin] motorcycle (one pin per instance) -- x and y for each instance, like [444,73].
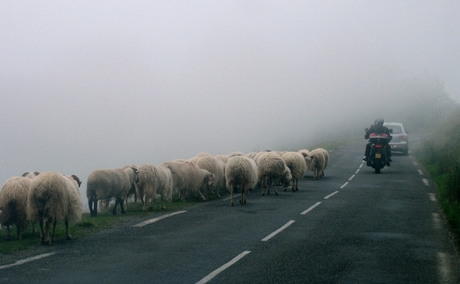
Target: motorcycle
[378,155]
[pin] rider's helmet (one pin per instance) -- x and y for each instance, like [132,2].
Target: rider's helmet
[378,121]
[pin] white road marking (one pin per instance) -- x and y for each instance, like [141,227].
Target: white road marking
[343,185]
[19,262]
[357,171]
[157,219]
[327,197]
[420,172]
[415,163]
[222,268]
[436,221]
[425,181]
[444,268]
[234,195]
[351,177]
[432,196]
[277,231]
[360,166]
[311,208]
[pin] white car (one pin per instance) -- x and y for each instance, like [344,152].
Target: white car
[400,141]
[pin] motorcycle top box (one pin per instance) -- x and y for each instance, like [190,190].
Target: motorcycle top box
[378,138]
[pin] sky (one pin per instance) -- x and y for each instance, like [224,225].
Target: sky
[86,85]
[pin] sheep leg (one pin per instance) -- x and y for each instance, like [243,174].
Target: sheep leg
[201,195]
[66,222]
[114,211]
[46,237]
[42,233]
[18,231]
[92,210]
[8,232]
[231,196]
[54,230]
[121,206]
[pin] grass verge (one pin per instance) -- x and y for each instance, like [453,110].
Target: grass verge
[88,225]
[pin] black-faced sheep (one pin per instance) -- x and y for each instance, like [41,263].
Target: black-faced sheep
[240,173]
[317,163]
[154,180]
[215,166]
[54,197]
[13,203]
[296,164]
[108,183]
[189,178]
[271,169]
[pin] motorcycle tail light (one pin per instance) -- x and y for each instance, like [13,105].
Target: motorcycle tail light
[378,146]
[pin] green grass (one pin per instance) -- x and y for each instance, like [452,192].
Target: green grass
[88,225]
[440,155]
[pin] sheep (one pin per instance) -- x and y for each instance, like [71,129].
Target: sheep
[236,153]
[306,154]
[271,169]
[54,197]
[187,177]
[154,180]
[108,183]
[223,158]
[216,167]
[13,203]
[317,163]
[296,163]
[326,159]
[240,173]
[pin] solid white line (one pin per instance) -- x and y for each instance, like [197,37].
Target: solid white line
[343,185]
[420,172]
[277,231]
[311,208]
[327,197]
[351,177]
[19,262]
[157,219]
[222,268]
[425,181]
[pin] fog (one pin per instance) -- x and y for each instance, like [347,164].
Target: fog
[102,84]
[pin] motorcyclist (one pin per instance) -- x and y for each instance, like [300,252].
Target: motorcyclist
[378,127]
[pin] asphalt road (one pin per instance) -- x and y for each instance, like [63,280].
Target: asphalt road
[352,226]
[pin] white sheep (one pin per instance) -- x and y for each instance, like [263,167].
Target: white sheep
[317,163]
[108,183]
[240,173]
[326,159]
[271,170]
[215,166]
[154,180]
[306,154]
[54,197]
[223,158]
[13,203]
[236,153]
[189,178]
[296,163]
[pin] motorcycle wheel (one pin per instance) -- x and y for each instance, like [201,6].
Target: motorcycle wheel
[377,167]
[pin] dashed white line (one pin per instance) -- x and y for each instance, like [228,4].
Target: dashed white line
[444,268]
[357,171]
[351,177]
[222,268]
[327,197]
[19,262]
[432,196]
[234,195]
[157,219]
[343,185]
[425,181]
[277,231]
[420,172]
[436,221]
[311,208]
[415,164]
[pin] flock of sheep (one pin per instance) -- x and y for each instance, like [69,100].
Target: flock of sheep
[51,197]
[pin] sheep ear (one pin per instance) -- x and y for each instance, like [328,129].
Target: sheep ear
[24,174]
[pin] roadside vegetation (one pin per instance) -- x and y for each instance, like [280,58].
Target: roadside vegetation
[440,154]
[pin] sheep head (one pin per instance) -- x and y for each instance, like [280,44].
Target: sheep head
[76,179]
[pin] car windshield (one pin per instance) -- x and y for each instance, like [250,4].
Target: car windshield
[396,129]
